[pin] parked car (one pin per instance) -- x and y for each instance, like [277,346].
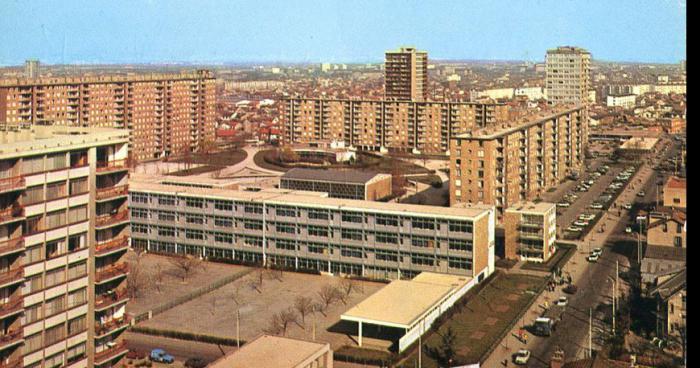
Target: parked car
[641,194]
[627,206]
[592,258]
[574,229]
[586,217]
[597,251]
[195,363]
[563,204]
[570,289]
[628,229]
[581,223]
[596,206]
[160,356]
[562,301]
[522,357]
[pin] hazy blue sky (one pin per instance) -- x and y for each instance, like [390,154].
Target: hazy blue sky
[336,30]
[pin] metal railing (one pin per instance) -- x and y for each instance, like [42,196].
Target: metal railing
[121,190]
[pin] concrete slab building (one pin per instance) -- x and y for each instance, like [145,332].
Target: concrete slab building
[278,352]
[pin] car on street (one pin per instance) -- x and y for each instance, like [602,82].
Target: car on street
[627,206]
[593,258]
[581,223]
[570,289]
[628,229]
[195,362]
[160,356]
[596,206]
[562,301]
[574,229]
[597,251]
[586,217]
[641,194]
[522,357]
[563,204]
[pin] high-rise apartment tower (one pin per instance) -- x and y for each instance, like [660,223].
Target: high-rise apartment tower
[406,74]
[568,75]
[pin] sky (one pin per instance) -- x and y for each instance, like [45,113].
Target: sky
[338,31]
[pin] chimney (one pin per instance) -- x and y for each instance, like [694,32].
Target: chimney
[557,360]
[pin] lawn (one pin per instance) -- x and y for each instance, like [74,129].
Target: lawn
[481,323]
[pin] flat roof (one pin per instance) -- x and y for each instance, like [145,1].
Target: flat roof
[314,199]
[639,143]
[271,352]
[39,139]
[332,175]
[403,302]
[531,207]
[492,132]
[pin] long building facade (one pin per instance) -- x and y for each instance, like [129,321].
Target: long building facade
[166,114]
[507,164]
[63,234]
[309,231]
[409,126]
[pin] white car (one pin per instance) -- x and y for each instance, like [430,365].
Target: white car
[586,217]
[574,229]
[522,357]
[581,223]
[596,206]
[597,251]
[628,229]
[627,206]
[593,258]
[563,204]
[641,194]
[562,301]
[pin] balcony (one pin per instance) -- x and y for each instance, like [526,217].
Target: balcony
[531,236]
[106,167]
[12,184]
[14,213]
[110,299]
[14,363]
[111,246]
[13,306]
[11,339]
[11,246]
[112,272]
[13,276]
[111,353]
[112,219]
[103,329]
[112,192]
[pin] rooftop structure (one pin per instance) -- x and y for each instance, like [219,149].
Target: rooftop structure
[351,184]
[278,352]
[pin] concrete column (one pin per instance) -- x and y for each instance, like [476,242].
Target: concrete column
[359,333]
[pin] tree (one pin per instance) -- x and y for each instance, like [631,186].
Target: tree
[287,154]
[158,276]
[445,352]
[186,265]
[328,295]
[280,321]
[304,305]
[136,280]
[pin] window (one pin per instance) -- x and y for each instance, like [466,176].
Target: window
[194,202]
[318,214]
[286,212]
[252,241]
[461,226]
[139,228]
[140,198]
[78,186]
[461,245]
[386,238]
[56,161]
[33,342]
[383,255]
[253,208]
[32,165]
[223,238]
[387,220]
[34,283]
[223,222]
[76,325]
[423,242]
[194,234]
[165,200]
[195,219]
[33,313]
[285,244]
[55,219]
[77,270]
[351,234]
[253,225]
[56,190]
[34,194]
[418,259]
[317,248]
[420,223]
[55,305]
[55,277]
[77,214]
[351,252]
[139,213]
[33,254]
[352,217]
[76,353]
[55,248]
[223,205]
[459,263]
[77,297]
[54,334]
[34,224]
[318,231]
[166,216]
[677,241]
[286,228]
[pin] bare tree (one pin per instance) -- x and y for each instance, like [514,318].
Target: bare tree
[186,265]
[328,295]
[304,305]
[274,326]
[288,316]
[136,281]
[158,276]
[347,286]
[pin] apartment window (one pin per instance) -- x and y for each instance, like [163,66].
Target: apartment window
[33,342]
[253,225]
[420,223]
[194,202]
[77,214]
[55,219]
[139,198]
[459,263]
[33,254]
[165,200]
[77,325]
[139,213]
[77,297]
[386,238]
[32,165]
[78,186]
[462,227]
[285,244]
[33,313]
[76,353]
[461,245]
[34,194]
[223,238]
[194,234]
[56,161]
[383,255]
[166,216]
[318,231]
[352,217]
[351,234]
[55,305]
[423,242]
[223,205]
[252,241]
[318,214]
[55,277]
[77,270]
[253,208]
[317,248]
[351,252]
[34,283]
[139,228]
[286,212]
[418,259]
[387,220]
[223,222]
[677,241]
[56,190]
[54,334]
[286,228]
[195,219]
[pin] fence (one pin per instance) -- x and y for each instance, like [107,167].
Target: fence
[192,295]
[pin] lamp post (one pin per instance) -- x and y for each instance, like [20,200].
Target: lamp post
[614,297]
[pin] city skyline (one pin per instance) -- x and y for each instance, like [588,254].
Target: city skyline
[220,32]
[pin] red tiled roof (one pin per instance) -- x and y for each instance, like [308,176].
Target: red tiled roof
[675,183]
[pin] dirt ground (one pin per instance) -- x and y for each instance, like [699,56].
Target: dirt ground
[171,286]
[215,313]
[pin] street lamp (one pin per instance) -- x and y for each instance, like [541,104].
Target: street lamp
[614,297]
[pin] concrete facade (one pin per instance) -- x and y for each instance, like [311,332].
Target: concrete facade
[568,77]
[406,74]
[530,231]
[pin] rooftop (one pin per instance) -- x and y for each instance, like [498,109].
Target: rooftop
[338,176]
[639,143]
[401,303]
[311,199]
[532,207]
[492,132]
[675,182]
[665,253]
[28,82]
[271,352]
[38,139]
